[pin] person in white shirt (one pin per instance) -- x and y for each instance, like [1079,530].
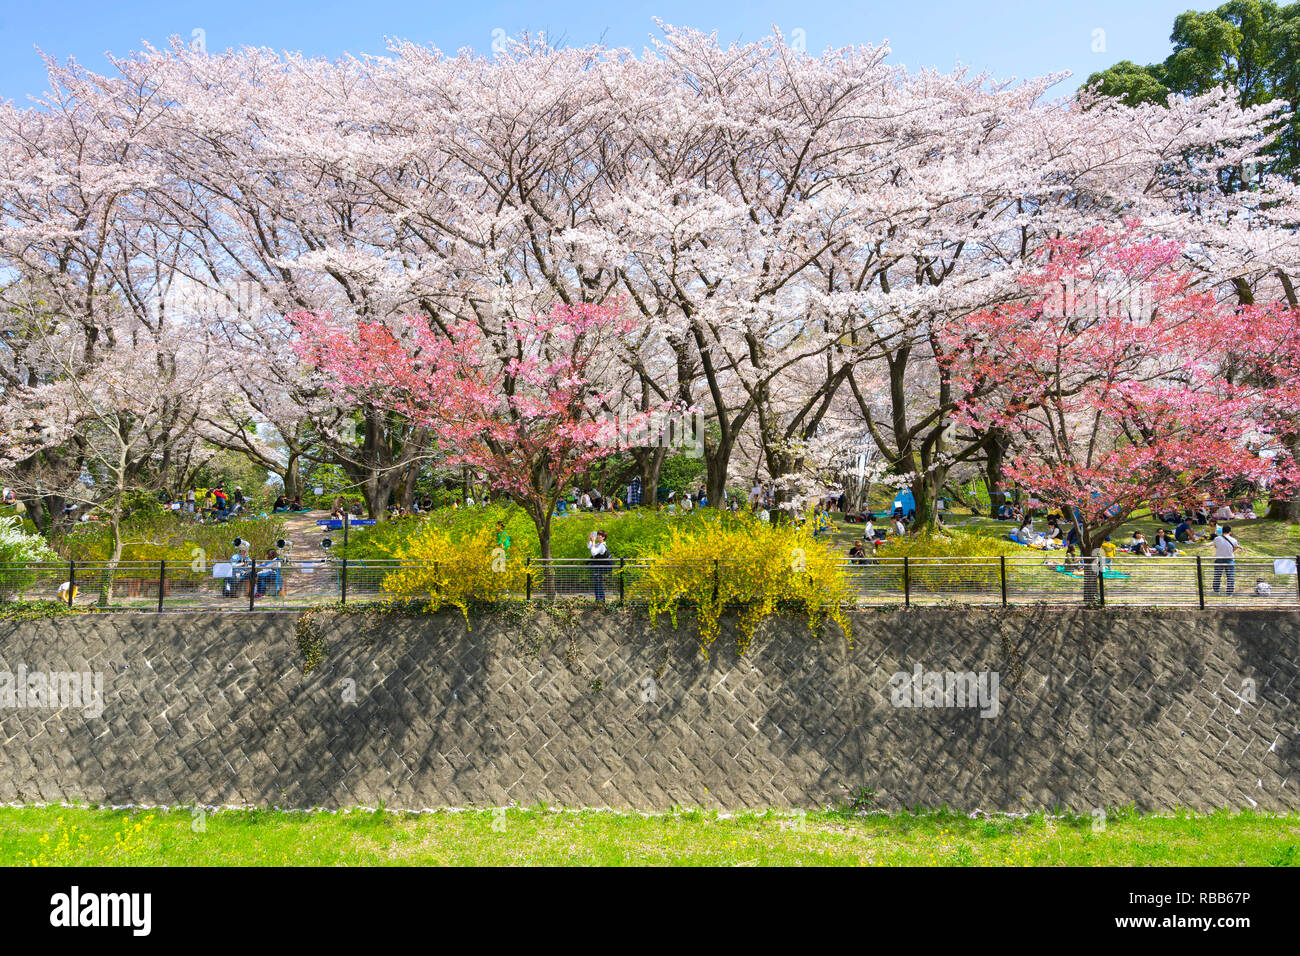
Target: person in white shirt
[601,562]
[1224,513]
[240,563]
[869,531]
[900,529]
[1225,550]
[585,502]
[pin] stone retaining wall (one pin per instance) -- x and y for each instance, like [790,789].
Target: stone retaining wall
[1095,709]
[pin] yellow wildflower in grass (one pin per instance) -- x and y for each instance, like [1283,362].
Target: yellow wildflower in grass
[58,848]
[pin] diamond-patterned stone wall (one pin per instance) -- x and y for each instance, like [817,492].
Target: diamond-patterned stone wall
[1096,709]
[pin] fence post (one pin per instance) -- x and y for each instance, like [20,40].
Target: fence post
[907,583]
[343,584]
[1002,561]
[162,581]
[715,580]
[1101,580]
[252,581]
[622,562]
[528,579]
[72,580]
[1200,583]
[1297,577]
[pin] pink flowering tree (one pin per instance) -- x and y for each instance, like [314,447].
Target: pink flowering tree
[1263,352]
[1109,378]
[524,409]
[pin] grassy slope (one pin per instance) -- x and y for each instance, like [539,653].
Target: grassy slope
[1258,537]
[81,836]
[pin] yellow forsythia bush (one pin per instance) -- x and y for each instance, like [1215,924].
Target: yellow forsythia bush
[452,569]
[760,567]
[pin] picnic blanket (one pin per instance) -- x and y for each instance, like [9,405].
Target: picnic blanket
[1108,573]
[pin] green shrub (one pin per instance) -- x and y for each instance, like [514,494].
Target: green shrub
[632,534]
[933,576]
[18,547]
[167,536]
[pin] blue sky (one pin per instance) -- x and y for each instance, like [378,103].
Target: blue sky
[1018,39]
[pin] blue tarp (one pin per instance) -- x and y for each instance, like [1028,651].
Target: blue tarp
[905,501]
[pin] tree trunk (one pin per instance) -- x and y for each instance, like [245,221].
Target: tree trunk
[652,464]
[292,477]
[541,516]
[1284,509]
[716,461]
[110,566]
[1287,509]
[996,454]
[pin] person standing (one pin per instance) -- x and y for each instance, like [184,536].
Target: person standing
[1225,550]
[601,562]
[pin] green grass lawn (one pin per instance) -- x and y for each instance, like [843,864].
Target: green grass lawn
[63,836]
[1258,538]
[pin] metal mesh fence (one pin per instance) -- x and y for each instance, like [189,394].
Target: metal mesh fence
[1126,581]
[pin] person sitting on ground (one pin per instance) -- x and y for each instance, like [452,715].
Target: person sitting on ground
[296,504]
[1223,513]
[1184,533]
[1165,544]
[1263,588]
[281,504]
[1138,544]
[1053,532]
[1201,516]
[857,553]
[1072,538]
[1072,562]
[821,522]
[268,573]
[898,526]
[240,563]
[869,530]
[1025,534]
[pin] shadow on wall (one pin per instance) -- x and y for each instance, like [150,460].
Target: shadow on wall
[1091,709]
